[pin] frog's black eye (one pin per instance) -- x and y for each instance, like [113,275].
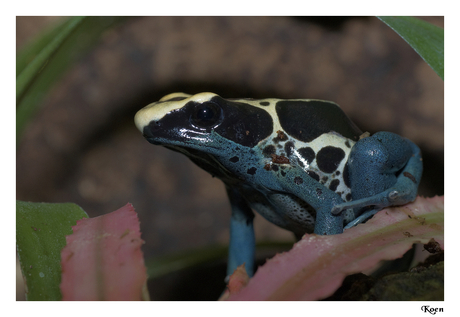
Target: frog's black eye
[206,115]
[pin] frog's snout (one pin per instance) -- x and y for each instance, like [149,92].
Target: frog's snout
[150,132]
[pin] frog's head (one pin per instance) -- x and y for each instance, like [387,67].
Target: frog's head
[204,122]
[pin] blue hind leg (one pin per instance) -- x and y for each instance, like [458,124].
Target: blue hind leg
[385,170]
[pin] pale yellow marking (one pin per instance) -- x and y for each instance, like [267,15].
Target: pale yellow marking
[157,110]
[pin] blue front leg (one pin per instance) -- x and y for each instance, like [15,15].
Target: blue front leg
[321,198]
[242,241]
[385,170]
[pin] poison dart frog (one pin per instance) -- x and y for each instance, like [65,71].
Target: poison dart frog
[300,163]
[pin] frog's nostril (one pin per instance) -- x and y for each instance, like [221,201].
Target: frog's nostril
[151,130]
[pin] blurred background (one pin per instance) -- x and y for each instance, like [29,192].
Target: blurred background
[82,146]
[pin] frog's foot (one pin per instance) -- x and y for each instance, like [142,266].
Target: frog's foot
[362,218]
[376,203]
[396,195]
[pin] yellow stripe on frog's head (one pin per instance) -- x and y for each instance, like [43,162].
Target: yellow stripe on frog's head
[157,110]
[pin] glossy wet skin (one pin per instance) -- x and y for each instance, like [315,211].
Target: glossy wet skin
[289,160]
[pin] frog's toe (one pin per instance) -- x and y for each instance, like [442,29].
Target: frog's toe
[390,197]
[362,218]
[400,196]
[337,209]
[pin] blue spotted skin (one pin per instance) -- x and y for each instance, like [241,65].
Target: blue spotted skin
[301,164]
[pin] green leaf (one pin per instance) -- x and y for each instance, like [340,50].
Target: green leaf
[41,229]
[426,39]
[40,64]
[30,62]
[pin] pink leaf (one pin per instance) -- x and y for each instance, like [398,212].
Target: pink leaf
[103,259]
[317,265]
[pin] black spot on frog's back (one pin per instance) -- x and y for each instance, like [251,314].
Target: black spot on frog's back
[346,176]
[306,120]
[313,175]
[251,171]
[243,123]
[329,158]
[269,150]
[307,154]
[289,148]
[234,159]
[334,184]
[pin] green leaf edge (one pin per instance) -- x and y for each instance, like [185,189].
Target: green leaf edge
[41,63]
[44,51]
[425,38]
[41,230]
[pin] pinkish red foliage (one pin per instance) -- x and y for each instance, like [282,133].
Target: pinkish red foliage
[103,259]
[317,265]
[238,280]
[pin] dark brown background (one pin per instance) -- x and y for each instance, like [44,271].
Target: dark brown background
[83,146]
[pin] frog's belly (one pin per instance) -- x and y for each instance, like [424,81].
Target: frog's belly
[284,210]
[299,217]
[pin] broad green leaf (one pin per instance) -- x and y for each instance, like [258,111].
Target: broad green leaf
[425,38]
[103,259]
[40,64]
[41,229]
[316,266]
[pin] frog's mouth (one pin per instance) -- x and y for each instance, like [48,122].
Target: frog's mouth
[157,134]
[153,133]
[205,161]
[152,140]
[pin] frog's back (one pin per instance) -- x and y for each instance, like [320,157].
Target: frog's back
[306,119]
[313,135]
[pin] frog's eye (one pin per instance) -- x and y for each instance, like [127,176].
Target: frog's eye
[206,115]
